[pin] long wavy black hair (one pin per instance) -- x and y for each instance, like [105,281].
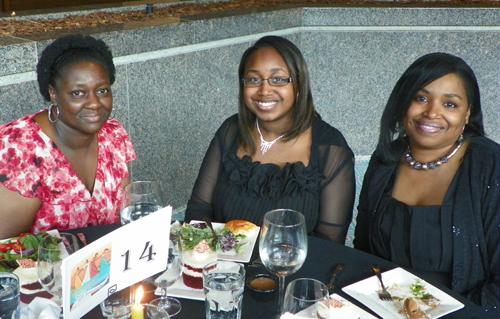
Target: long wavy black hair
[303,108]
[420,73]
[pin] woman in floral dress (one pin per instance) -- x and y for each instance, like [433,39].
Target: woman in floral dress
[64,167]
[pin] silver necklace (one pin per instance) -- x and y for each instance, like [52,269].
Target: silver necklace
[431,165]
[265,145]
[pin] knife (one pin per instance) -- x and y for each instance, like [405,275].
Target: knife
[338,269]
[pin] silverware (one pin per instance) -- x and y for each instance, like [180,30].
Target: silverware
[338,269]
[257,262]
[382,294]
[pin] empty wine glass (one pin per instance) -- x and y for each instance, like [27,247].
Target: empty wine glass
[307,298]
[139,200]
[173,272]
[50,255]
[283,245]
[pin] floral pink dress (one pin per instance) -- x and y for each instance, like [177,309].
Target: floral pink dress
[31,164]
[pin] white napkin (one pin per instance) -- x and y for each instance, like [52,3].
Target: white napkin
[41,308]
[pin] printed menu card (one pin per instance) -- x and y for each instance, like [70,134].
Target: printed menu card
[115,261]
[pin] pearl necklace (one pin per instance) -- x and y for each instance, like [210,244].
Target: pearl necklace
[265,145]
[431,165]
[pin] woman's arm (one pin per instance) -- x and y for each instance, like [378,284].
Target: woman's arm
[337,195]
[200,204]
[17,212]
[487,294]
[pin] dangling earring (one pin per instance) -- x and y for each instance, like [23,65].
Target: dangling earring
[49,113]
[113,113]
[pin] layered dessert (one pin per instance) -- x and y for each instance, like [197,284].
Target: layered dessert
[194,261]
[28,281]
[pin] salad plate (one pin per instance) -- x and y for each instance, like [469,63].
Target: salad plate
[246,252]
[398,282]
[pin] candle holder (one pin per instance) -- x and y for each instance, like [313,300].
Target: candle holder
[148,312]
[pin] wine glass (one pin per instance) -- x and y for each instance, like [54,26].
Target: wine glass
[51,252]
[139,200]
[307,298]
[283,245]
[173,272]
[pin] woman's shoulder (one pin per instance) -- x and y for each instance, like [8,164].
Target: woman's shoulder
[483,148]
[20,130]
[325,134]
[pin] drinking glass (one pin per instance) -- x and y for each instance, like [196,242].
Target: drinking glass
[50,256]
[223,285]
[283,245]
[307,298]
[173,272]
[9,295]
[139,200]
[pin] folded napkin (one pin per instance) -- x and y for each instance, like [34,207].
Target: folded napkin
[41,308]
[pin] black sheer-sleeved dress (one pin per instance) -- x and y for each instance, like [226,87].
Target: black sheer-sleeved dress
[229,187]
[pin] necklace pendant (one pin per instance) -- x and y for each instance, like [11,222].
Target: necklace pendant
[265,146]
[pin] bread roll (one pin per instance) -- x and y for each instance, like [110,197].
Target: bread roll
[241,227]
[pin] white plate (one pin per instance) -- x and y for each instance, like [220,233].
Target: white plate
[246,252]
[182,291]
[362,314]
[366,291]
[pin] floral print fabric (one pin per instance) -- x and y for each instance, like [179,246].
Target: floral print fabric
[32,165]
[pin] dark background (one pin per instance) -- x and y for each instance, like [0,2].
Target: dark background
[23,5]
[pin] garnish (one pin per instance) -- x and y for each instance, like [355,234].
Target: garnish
[224,240]
[25,246]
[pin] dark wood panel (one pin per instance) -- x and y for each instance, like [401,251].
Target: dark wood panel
[22,5]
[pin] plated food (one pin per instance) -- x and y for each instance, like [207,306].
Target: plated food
[202,245]
[19,255]
[422,297]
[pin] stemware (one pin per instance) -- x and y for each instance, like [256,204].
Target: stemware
[173,272]
[308,298]
[283,245]
[50,256]
[140,199]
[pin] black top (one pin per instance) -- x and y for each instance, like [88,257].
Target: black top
[475,217]
[229,187]
[418,237]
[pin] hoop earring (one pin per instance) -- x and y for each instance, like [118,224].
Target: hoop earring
[113,113]
[49,113]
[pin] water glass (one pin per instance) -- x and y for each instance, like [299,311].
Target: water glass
[147,312]
[9,295]
[120,298]
[223,285]
[139,200]
[307,298]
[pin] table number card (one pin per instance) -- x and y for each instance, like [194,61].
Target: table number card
[117,260]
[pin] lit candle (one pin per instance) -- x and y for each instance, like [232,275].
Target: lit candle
[137,309]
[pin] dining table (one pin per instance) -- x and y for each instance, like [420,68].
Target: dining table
[322,257]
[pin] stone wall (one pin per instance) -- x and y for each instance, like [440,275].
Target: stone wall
[177,79]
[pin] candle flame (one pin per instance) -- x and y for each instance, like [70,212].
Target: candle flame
[138,295]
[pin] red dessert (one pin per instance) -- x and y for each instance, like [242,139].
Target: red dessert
[194,262]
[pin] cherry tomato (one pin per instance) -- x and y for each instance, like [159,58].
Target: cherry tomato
[5,247]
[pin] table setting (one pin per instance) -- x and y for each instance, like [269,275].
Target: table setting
[210,270]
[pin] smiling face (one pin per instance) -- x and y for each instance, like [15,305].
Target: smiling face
[437,114]
[83,97]
[269,103]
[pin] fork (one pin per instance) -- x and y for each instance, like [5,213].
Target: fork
[382,294]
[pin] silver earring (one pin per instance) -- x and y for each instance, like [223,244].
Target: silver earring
[49,113]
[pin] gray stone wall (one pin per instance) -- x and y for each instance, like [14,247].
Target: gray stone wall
[177,80]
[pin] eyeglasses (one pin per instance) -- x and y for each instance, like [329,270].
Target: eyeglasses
[273,81]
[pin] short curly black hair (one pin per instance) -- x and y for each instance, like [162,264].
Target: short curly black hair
[67,51]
